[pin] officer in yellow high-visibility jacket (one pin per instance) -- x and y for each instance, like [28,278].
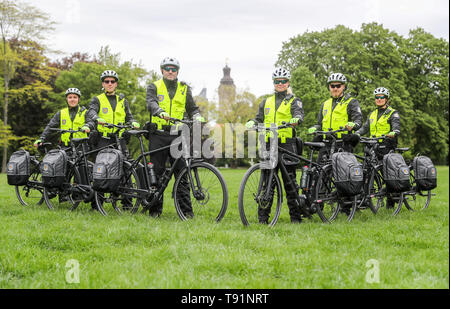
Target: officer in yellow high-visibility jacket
[71,117]
[340,110]
[109,107]
[281,107]
[167,98]
[384,120]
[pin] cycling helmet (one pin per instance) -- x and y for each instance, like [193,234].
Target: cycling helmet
[74,91]
[381,90]
[109,73]
[337,77]
[281,73]
[169,61]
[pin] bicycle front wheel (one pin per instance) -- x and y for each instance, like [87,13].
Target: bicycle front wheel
[202,193]
[375,190]
[257,196]
[326,196]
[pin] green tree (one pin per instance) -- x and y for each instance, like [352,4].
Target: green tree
[18,21]
[415,69]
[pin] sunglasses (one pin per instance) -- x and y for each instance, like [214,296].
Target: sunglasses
[380,97]
[336,86]
[109,81]
[283,81]
[170,69]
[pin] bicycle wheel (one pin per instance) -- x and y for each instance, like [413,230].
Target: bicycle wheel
[326,196]
[374,190]
[390,203]
[420,199]
[255,198]
[210,199]
[64,197]
[87,194]
[31,193]
[124,199]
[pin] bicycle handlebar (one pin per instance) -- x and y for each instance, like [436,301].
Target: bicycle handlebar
[66,131]
[329,132]
[262,127]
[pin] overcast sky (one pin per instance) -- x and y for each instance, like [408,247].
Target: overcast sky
[203,34]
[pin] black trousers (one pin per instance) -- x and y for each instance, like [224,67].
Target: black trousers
[291,192]
[159,159]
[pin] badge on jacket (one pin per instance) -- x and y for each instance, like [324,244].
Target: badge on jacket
[267,110]
[64,121]
[160,97]
[105,110]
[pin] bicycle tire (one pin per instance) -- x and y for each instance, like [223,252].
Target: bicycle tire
[326,196]
[375,188]
[32,193]
[89,176]
[56,198]
[247,201]
[113,198]
[212,193]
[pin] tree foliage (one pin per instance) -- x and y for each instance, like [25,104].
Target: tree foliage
[415,69]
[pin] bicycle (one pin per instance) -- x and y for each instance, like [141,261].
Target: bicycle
[198,183]
[338,203]
[419,198]
[76,187]
[373,173]
[261,187]
[32,192]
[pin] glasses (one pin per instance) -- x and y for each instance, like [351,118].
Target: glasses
[336,86]
[168,69]
[381,97]
[283,81]
[109,81]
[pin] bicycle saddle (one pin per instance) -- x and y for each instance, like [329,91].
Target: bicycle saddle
[79,140]
[314,144]
[402,149]
[137,132]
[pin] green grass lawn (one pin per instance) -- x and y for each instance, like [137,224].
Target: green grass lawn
[411,250]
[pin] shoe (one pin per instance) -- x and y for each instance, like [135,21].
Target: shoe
[264,221]
[296,220]
[154,214]
[346,210]
[189,215]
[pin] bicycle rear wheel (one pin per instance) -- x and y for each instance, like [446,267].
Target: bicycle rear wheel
[210,197]
[326,196]
[33,192]
[124,199]
[254,197]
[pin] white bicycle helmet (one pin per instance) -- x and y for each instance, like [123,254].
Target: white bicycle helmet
[170,61]
[381,90]
[109,73]
[73,91]
[281,73]
[337,77]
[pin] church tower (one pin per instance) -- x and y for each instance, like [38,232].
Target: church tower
[227,89]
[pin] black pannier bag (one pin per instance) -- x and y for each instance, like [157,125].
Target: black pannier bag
[424,173]
[54,168]
[18,169]
[396,173]
[347,173]
[108,170]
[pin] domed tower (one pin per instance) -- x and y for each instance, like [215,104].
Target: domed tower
[227,89]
